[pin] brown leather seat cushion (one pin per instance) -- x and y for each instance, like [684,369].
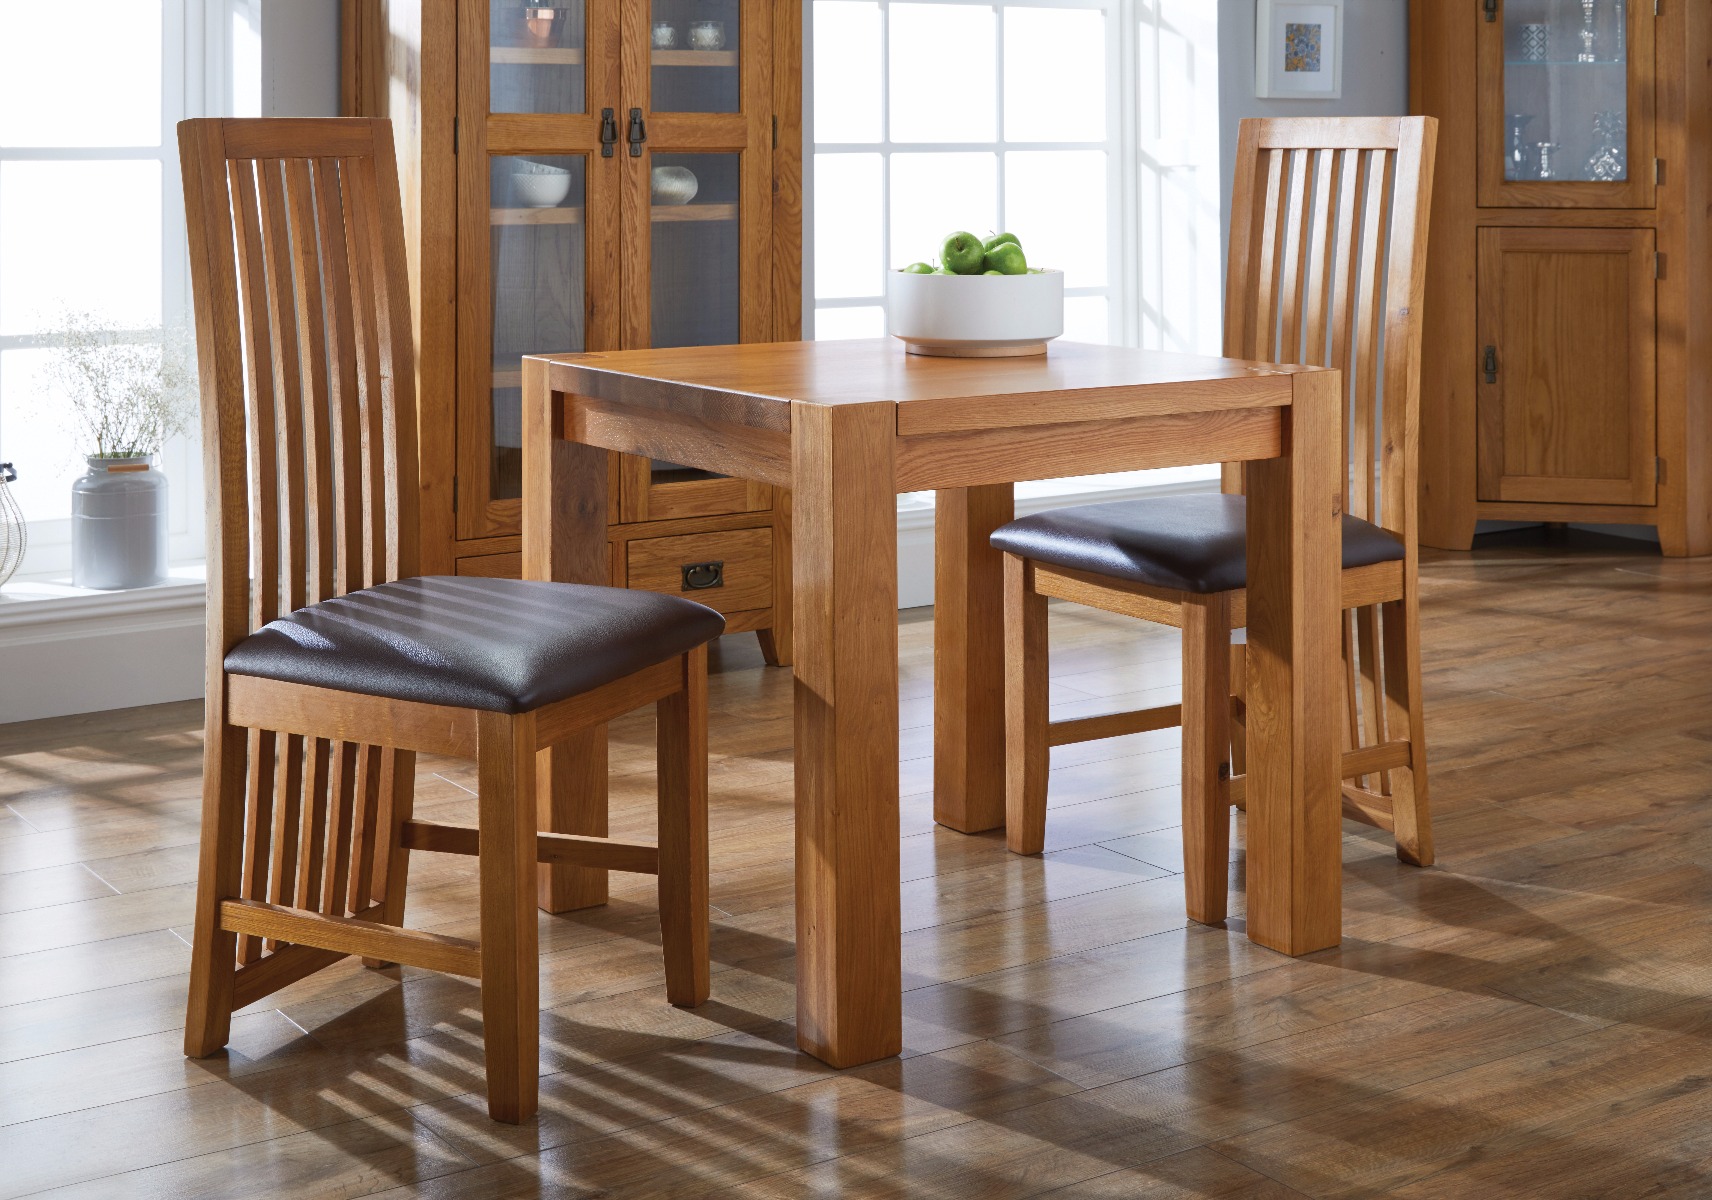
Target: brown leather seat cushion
[498,644]
[1185,543]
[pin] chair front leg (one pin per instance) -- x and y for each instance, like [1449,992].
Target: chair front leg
[1206,750]
[219,876]
[1027,756]
[510,981]
[682,758]
[1411,816]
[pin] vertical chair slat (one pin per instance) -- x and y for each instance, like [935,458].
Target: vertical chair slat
[398,358]
[1344,266]
[1292,269]
[1370,304]
[366,816]
[1320,257]
[312,354]
[311,858]
[371,419]
[344,429]
[342,794]
[1263,331]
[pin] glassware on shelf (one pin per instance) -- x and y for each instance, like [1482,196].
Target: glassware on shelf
[1520,157]
[1622,21]
[665,35]
[1609,161]
[543,25]
[1588,34]
[1545,167]
[707,35]
[1536,41]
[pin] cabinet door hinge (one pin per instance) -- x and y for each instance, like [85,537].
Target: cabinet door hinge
[1658,470]
[454,135]
[775,133]
[1491,7]
[1658,264]
[1658,171]
[454,493]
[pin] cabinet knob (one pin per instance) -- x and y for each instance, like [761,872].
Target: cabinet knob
[1489,364]
[638,133]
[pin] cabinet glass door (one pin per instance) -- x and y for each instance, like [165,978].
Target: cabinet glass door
[535,204]
[1566,104]
[698,213]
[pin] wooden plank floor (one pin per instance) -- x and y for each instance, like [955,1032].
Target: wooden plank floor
[1530,1018]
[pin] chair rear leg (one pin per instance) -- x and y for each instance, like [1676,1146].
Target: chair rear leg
[1411,815]
[219,877]
[1206,746]
[682,758]
[510,980]
[1239,714]
[1027,756]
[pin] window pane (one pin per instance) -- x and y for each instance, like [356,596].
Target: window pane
[35,437]
[942,65]
[1085,319]
[81,234]
[839,324]
[1055,202]
[82,74]
[937,194]
[848,255]
[846,71]
[1055,75]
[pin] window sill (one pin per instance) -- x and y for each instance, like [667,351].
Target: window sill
[30,602]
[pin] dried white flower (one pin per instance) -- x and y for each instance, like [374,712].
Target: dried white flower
[123,397]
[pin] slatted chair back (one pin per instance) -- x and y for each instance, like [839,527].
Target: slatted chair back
[1327,268]
[307,372]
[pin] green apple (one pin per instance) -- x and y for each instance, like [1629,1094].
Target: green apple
[992,272]
[962,253]
[999,239]
[918,268]
[1007,259]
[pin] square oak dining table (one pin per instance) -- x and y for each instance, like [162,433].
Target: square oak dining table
[845,426]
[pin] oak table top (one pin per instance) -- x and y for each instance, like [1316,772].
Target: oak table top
[845,426]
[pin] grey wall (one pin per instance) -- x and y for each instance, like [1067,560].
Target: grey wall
[1375,73]
[300,58]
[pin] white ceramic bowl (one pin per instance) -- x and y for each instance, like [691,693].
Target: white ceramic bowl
[672,185]
[538,185]
[976,316]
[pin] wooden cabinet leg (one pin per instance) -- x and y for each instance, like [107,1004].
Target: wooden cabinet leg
[968,658]
[1294,713]
[510,978]
[682,759]
[849,960]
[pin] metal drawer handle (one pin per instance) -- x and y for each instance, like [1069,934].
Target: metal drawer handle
[700,576]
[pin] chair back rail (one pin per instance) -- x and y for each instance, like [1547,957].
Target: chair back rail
[1327,268]
[307,372]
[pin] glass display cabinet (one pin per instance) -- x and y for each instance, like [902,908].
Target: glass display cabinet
[1566,270]
[592,176]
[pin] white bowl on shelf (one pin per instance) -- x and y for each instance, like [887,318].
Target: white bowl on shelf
[538,185]
[975,316]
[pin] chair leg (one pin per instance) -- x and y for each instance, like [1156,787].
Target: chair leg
[1027,755]
[510,980]
[1410,813]
[1239,714]
[1206,746]
[219,876]
[682,757]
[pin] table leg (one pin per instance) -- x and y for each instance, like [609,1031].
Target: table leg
[564,539]
[844,556]
[969,658]
[1294,825]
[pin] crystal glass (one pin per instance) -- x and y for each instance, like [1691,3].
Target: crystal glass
[696,69]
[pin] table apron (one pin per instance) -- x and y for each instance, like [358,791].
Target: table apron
[977,457]
[742,451]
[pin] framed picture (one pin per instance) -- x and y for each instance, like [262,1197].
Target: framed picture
[1298,49]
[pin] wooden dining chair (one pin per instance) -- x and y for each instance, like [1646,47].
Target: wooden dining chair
[330,665]
[1327,268]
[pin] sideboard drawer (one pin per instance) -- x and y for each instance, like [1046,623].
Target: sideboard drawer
[730,571]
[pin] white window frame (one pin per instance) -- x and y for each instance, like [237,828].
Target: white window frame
[196,80]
